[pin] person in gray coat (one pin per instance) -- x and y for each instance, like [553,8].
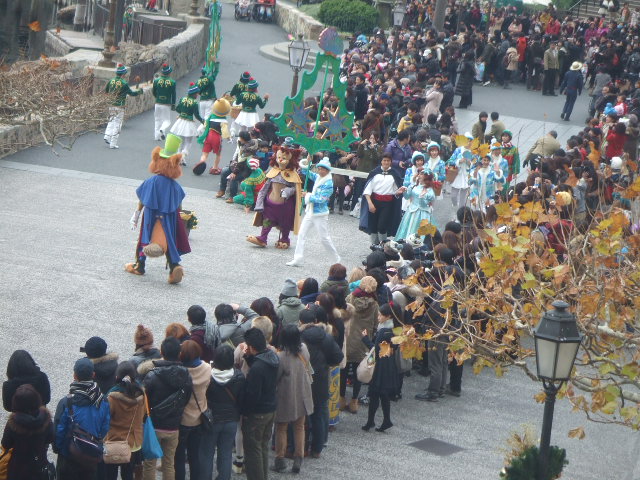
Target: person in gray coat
[290,306]
[294,400]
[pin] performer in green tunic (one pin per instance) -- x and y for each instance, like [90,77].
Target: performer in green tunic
[185,126]
[118,86]
[164,91]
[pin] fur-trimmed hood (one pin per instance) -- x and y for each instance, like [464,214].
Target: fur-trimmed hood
[105,358]
[325,326]
[145,367]
[25,424]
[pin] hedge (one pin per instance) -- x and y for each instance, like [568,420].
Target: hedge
[349,15]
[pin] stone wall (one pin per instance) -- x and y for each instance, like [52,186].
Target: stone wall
[54,46]
[294,21]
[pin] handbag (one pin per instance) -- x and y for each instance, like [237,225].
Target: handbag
[206,416]
[118,452]
[452,173]
[5,457]
[307,368]
[151,448]
[84,447]
[366,366]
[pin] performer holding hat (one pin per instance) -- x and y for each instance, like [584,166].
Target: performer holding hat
[118,86]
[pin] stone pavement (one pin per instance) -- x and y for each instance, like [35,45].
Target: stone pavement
[65,238]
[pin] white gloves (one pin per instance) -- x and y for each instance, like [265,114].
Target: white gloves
[134,219]
[200,129]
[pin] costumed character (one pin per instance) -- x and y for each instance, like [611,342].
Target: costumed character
[235,92]
[251,185]
[412,173]
[462,159]
[435,164]
[162,231]
[241,169]
[164,91]
[316,210]
[498,159]
[185,126]
[280,200]
[381,202]
[421,196]
[483,183]
[118,86]
[250,100]
[215,128]
[511,155]
[206,84]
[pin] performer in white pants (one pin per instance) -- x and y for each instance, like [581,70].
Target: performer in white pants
[119,87]
[317,211]
[185,126]
[164,91]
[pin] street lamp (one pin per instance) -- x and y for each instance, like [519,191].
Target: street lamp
[298,53]
[109,38]
[557,340]
[398,20]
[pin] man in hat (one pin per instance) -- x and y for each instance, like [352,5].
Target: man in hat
[317,210]
[571,86]
[185,126]
[206,84]
[164,91]
[250,100]
[104,364]
[551,66]
[215,128]
[118,87]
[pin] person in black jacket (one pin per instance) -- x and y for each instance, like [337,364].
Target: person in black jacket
[104,364]
[22,369]
[362,98]
[324,352]
[224,396]
[168,387]
[259,404]
[385,380]
[572,86]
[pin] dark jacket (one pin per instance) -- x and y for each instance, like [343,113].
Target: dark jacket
[260,387]
[385,373]
[572,82]
[162,381]
[447,97]
[39,381]
[141,356]
[324,352]
[362,101]
[225,397]
[29,436]
[105,371]
[465,79]
[198,337]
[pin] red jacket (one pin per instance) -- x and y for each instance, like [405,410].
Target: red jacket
[615,144]
[522,48]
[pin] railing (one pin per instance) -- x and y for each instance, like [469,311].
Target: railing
[580,7]
[151,33]
[144,70]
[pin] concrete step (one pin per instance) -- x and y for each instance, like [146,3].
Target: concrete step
[279,52]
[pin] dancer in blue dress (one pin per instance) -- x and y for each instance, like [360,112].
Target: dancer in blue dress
[421,197]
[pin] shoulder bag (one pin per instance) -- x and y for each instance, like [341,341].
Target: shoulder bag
[151,448]
[118,452]
[84,447]
[366,366]
[206,416]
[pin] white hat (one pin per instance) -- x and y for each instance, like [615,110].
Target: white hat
[254,163]
[433,145]
[324,163]
[576,66]
[616,163]
[468,135]
[415,240]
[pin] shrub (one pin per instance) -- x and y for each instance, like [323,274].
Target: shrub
[349,15]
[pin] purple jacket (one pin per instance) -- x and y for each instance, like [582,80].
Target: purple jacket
[399,154]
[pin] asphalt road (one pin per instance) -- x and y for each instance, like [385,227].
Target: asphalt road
[64,237]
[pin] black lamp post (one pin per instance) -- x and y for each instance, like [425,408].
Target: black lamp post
[398,20]
[298,53]
[557,341]
[109,38]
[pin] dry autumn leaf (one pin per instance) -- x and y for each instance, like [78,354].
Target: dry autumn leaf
[35,26]
[385,349]
[577,433]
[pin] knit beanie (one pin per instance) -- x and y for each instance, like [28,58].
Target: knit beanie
[290,289]
[368,284]
[143,338]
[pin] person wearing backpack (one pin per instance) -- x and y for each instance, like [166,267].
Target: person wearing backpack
[28,433]
[126,403]
[229,330]
[81,414]
[168,386]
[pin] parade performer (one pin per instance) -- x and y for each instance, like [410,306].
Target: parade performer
[421,197]
[511,155]
[411,175]
[237,89]
[118,86]
[435,164]
[484,180]
[164,91]
[215,128]
[381,203]
[206,84]
[250,186]
[185,127]
[279,202]
[316,210]
[162,231]
[462,159]
[250,100]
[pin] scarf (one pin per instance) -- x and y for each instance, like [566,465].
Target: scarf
[195,363]
[507,144]
[386,324]
[88,389]
[361,293]
[211,333]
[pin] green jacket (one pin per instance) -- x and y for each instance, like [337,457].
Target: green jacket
[250,101]
[237,89]
[206,84]
[187,108]
[121,88]
[164,89]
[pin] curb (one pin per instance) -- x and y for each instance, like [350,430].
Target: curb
[278,52]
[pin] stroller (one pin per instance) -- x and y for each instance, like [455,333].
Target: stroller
[263,10]
[243,10]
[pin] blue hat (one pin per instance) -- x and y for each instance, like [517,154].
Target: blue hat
[193,89]
[433,145]
[288,143]
[83,369]
[166,69]
[121,69]
[252,85]
[417,154]
[324,163]
[468,135]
